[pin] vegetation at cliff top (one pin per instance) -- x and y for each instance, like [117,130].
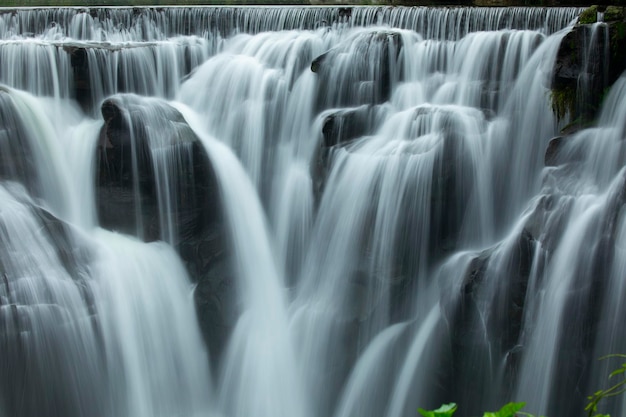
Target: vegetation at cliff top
[514,409]
[121,3]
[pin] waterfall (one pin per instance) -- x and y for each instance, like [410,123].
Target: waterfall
[303,212]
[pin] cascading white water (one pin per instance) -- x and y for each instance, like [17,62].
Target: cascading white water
[92,323]
[587,206]
[393,237]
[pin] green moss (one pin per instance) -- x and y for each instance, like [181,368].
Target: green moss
[618,41]
[619,35]
[563,102]
[588,16]
[613,13]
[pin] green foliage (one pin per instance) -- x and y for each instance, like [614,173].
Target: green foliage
[445,410]
[514,409]
[563,102]
[620,31]
[509,410]
[588,16]
[613,13]
[614,390]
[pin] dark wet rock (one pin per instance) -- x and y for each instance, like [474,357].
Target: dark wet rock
[587,63]
[215,296]
[127,196]
[317,63]
[585,301]
[137,136]
[617,42]
[552,152]
[487,316]
[345,125]
[33,315]
[573,70]
[451,189]
[92,79]
[16,156]
[563,150]
[361,71]
[568,62]
[339,128]
[72,253]
[345,12]
[80,70]
[452,174]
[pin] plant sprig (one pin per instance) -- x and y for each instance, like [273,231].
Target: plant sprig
[614,390]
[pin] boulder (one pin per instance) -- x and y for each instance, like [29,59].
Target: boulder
[451,180]
[583,70]
[152,166]
[576,67]
[360,71]
[16,158]
[93,80]
[486,317]
[552,152]
[80,71]
[37,313]
[143,142]
[345,125]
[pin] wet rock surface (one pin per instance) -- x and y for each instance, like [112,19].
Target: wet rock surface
[590,58]
[16,158]
[361,71]
[32,312]
[142,144]
[128,200]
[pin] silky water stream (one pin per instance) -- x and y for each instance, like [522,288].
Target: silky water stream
[388,235]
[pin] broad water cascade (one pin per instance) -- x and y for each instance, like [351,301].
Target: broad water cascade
[302,212]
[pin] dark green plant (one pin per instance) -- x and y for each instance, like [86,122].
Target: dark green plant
[508,410]
[514,409]
[588,16]
[447,410]
[613,391]
[613,13]
[563,102]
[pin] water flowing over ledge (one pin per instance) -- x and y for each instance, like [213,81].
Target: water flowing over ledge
[303,212]
[148,23]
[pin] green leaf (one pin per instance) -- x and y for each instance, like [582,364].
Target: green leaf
[445,410]
[508,410]
[613,355]
[618,371]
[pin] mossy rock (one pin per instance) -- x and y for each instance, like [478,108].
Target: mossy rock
[588,16]
[563,102]
[614,14]
[617,37]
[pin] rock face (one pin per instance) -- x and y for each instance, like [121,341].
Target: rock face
[345,125]
[487,318]
[338,129]
[146,69]
[579,66]
[41,305]
[590,59]
[155,181]
[16,159]
[80,68]
[361,71]
[146,152]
